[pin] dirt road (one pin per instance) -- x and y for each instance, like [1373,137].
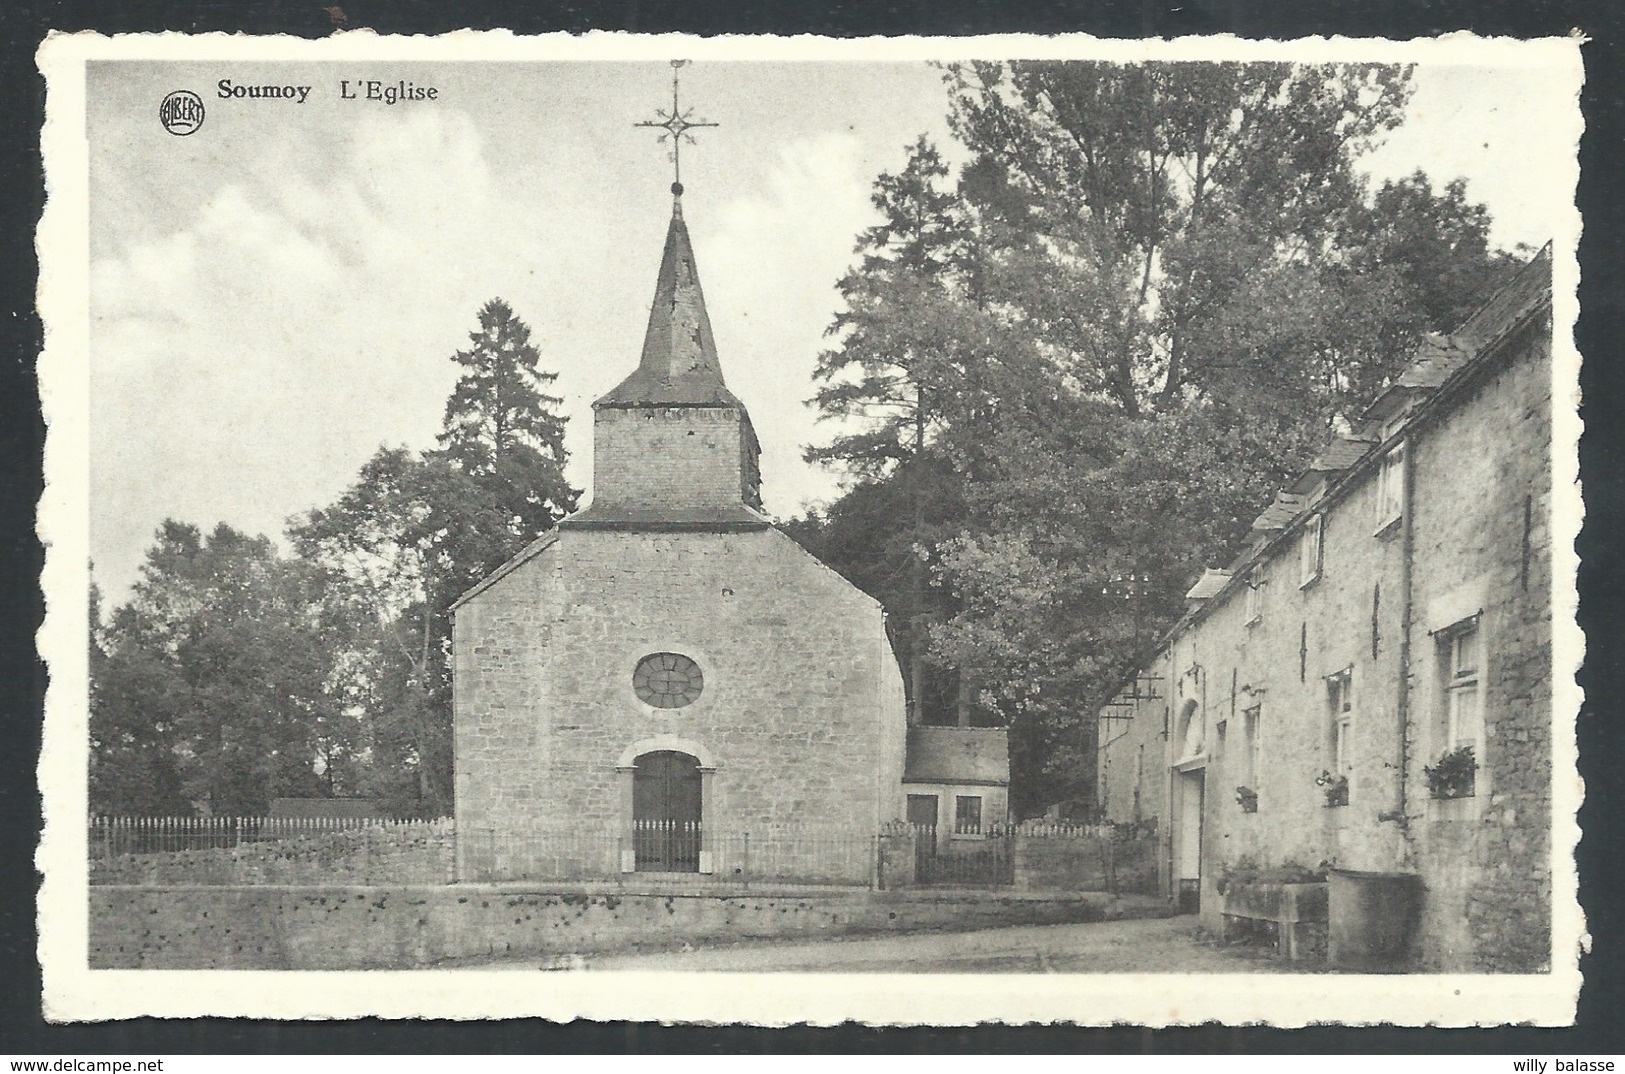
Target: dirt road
[1167,945]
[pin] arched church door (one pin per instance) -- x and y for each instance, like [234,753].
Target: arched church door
[666,812]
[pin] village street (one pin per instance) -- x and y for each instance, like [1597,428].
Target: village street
[1162,945]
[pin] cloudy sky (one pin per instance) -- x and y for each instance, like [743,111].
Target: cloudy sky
[278,294]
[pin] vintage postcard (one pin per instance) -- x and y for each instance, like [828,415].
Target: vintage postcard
[921,531]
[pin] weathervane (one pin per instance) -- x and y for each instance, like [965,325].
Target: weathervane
[676,125]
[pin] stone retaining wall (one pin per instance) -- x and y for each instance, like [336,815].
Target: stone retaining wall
[336,928]
[1066,863]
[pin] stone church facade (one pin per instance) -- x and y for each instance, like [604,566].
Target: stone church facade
[1393,611]
[666,683]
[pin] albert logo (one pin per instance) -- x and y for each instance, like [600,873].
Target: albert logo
[181,112]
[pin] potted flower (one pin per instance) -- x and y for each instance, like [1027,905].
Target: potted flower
[1247,799]
[1451,776]
[1336,788]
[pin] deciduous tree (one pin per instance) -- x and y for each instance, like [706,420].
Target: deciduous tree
[219,686]
[1167,284]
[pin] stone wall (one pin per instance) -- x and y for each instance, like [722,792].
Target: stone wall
[1085,863]
[653,457]
[1241,694]
[338,928]
[1486,859]
[412,852]
[995,805]
[800,721]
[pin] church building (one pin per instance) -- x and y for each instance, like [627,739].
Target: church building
[665,682]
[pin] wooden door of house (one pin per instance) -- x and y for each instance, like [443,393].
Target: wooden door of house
[666,812]
[922,817]
[1192,792]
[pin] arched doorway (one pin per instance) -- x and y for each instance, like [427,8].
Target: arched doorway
[666,810]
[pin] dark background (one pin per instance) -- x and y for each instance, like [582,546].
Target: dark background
[23,25]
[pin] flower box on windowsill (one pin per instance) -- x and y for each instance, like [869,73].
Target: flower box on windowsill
[1453,775]
[1336,789]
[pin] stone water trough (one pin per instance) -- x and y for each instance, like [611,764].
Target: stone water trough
[1289,906]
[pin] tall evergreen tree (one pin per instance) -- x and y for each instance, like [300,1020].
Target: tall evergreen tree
[501,426]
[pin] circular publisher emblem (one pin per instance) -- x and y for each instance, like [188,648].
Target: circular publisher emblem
[181,113]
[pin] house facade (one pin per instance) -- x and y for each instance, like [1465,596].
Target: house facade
[1369,685]
[957,781]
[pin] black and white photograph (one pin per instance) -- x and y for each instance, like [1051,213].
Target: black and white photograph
[758,530]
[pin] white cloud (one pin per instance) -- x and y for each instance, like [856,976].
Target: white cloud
[293,324]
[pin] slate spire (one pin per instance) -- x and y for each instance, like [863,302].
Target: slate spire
[679,365]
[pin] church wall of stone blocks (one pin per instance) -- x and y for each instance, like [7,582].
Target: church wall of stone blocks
[798,722]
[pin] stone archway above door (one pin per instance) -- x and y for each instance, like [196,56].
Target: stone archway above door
[666,744]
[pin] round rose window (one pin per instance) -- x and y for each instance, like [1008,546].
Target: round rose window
[667,680]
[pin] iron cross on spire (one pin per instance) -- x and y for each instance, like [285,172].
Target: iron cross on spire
[676,124]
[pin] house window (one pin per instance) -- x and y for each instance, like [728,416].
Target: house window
[967,814]
[1391,487]
[1453,773]
[1247,790]
[1465,725]
[1253,719]
[1309,550]
[1335,780]
[1256,581]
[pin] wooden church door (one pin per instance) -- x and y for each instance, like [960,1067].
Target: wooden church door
[666,812]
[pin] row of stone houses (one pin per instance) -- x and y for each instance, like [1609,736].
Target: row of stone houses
[1368,686]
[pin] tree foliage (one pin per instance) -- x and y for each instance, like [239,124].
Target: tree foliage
[416,530]
[908,367]
[404,540]
[1153,293]
[221,681]
[501,426]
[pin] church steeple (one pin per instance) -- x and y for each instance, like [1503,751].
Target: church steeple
[672,447]
[679,364]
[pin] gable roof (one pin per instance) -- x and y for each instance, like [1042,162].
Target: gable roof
[673,517]
[524,555]
[957,755]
